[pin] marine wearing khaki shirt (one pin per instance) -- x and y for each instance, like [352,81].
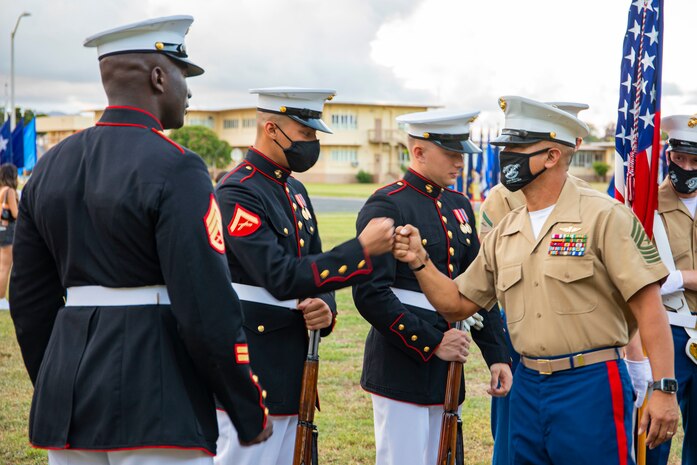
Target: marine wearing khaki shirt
[576,275]
[500,202]
[562,304]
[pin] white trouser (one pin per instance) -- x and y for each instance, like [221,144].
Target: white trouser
[159,456]
[277,450]
[406,433]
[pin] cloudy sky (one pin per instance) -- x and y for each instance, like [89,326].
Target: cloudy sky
[457,53]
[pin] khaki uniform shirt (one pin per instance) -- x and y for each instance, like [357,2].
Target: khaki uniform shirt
[559,304]
[682,233]
[500,202]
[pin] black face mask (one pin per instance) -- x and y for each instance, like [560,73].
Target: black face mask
[515,169]
[684,181]
[301,155]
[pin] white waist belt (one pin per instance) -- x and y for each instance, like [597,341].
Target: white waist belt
[415,299]
[683,320]
[99,296]
[260,295]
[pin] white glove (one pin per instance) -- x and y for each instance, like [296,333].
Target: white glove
[640,373]
[476,321]
[674,283]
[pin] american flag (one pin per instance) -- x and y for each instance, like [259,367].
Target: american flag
[638,137]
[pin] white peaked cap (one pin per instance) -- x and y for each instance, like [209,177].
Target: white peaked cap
[303,105]
[157,35]
[529,121]
[449,129]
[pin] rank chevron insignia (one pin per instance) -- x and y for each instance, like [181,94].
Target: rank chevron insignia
[645,246]
[214,226]
[570,229]
[243,222]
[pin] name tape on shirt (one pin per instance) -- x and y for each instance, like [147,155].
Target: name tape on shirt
[243,222]
[214,226]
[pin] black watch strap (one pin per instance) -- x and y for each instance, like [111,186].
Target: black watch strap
[668,385]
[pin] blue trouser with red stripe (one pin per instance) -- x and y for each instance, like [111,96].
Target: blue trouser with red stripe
[686,374]
[572,417]
[500,407]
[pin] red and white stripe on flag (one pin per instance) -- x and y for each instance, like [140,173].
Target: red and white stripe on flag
[638,138]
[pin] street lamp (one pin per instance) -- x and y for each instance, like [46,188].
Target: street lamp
[12,71]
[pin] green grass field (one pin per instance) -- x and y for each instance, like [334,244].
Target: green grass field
[345,422]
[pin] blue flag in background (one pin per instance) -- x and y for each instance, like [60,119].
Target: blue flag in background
[18,145]
[5,142]
[30,145]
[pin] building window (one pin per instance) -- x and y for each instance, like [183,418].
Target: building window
[583,159]
[345,155]
[249,122]
[207,122]
[231,123]
[344,121]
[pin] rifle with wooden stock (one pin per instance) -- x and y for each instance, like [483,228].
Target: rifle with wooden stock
[306,432]
[450,447]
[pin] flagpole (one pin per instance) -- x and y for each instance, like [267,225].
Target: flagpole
[13,117]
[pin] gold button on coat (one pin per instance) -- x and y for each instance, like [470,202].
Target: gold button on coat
[450,234]
[260,328]
[427,348]
[451,268]
[452,251]
[439,204]
[255,378]
[414,337]
[342,269]
[424,241]
[302,242]
[300,224]
[361,264]
[401,327]
[445,220]
[324,274]
[285,231]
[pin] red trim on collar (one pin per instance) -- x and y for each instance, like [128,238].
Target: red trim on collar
[407,183]
[179,147]
[127,107]
[424,178]
[130,125]
[269,160]
[266,175]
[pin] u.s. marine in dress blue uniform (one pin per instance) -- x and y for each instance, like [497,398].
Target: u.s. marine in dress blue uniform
[123,223]
[275,256]
[400,361]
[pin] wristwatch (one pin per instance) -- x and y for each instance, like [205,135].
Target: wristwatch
[667,385]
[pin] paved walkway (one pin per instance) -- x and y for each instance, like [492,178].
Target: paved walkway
[337,205]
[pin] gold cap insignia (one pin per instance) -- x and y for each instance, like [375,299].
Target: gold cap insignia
[159,45]
[330,97]
[553,135]
[426,135]
[692,122]
[502,103]
[283,109]
[429,188]
[278,174]
[473,119]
